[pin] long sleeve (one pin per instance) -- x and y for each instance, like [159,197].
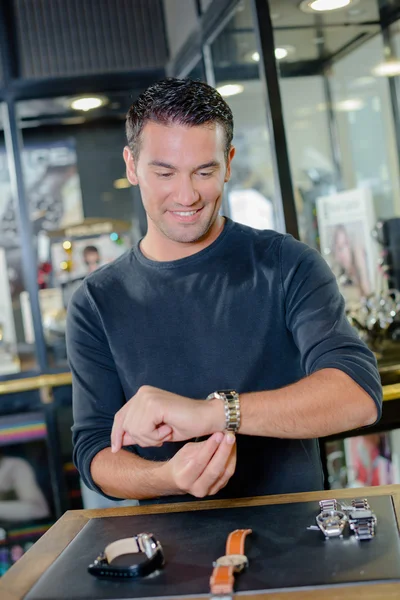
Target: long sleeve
[96,387]
[315,315]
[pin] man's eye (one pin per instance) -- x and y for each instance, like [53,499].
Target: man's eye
[205,173]
[165,175]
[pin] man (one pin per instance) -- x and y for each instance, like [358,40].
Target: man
[199,305]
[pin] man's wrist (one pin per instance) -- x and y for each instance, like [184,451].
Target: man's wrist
[165,481]
[215,415]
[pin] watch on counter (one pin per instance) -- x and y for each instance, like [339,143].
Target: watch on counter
[330,520]
[144,543]
[231,402]
[334,517]
[362,519]
[234,561]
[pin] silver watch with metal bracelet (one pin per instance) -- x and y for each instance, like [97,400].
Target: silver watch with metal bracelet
[231,402]
[362,519]
[330,504]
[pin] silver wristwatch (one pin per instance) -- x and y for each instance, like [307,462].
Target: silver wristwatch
[330,504]
[362,519]
[331,521]
[231,402]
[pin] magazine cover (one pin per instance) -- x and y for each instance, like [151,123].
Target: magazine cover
[336,464]
[25,483]
[370,460]
[86,255]
[345,223]
[26,498]
[9,362]
[52,187]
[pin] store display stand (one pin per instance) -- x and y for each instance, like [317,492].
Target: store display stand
[370,575]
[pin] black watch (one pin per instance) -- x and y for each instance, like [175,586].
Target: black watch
[144,543]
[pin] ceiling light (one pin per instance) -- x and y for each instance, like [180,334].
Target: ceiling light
[281,53]
[352,104]
[390,68]
[255,56]
[363,82]
[230,89]
[325,5]
[86,103]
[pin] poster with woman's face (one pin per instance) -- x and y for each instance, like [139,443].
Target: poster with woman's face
[345,223]
[348,258]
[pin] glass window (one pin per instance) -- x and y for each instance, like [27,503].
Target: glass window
[83,210]
[340,110]
[197,73]
[17,350]
[180,21]
[205,4]
[251,193]
[364,114]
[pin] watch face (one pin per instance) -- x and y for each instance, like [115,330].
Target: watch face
[331,522]
[361,514]
[238,561]
[331,516]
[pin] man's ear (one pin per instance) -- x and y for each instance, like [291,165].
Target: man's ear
[130,166]
[231,154]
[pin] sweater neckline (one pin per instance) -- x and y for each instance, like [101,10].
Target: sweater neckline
[187,260]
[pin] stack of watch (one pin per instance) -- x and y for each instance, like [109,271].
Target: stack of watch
[333,519]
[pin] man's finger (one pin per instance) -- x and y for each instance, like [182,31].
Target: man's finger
[117,432]
[127,440]
[215,469]
[162,432]
[207,449]
[223,480]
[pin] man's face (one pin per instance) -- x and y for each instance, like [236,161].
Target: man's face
[181,172]
[92,261]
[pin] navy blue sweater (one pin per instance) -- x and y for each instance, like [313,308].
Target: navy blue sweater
[255,310]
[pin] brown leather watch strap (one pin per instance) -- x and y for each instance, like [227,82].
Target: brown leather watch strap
[235,541]
[223,578]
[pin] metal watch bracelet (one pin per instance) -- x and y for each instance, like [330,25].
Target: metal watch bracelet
[231,402]
[362,519]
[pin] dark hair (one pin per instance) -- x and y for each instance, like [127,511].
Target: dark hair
[181,101]
[89,249]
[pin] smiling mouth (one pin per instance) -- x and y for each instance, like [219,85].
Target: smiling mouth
[185,213]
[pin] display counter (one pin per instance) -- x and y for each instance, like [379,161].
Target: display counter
[59,559]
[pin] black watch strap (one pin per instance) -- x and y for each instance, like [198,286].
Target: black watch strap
[144,543]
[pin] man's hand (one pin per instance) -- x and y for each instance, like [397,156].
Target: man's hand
[203,468]
[153,416]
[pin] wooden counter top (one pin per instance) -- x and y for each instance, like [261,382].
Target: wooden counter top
[22,576]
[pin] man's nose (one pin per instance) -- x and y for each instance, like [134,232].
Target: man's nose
[187,194]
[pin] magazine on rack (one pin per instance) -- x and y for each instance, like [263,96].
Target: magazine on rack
[26,495]
[345,223]
[364,460]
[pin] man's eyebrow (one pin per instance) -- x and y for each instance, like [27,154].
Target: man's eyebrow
[212,163]
[159,163]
